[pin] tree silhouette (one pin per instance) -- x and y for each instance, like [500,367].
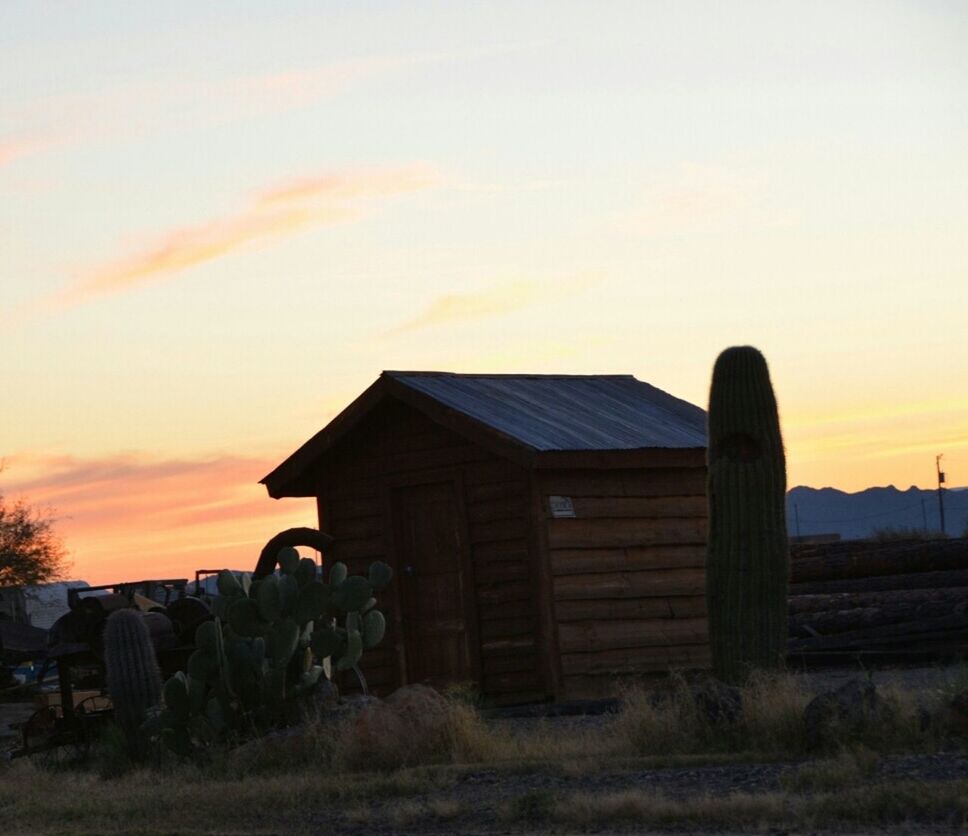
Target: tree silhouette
[30,550]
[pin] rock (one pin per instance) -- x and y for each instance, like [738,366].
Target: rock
[843,711]
[412,720]
[419,705]
[719,703]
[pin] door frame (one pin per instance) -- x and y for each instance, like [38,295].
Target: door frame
[455,478]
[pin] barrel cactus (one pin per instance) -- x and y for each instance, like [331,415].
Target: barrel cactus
[747,562]
[133,678]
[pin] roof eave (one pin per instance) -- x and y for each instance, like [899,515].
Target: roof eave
[289,478]
[284,480]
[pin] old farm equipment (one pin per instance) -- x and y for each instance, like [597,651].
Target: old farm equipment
[71,715]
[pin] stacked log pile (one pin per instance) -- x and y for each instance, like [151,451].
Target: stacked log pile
[895,596]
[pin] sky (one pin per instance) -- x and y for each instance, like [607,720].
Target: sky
[219,222]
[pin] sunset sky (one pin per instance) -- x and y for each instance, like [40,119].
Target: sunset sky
[220,221]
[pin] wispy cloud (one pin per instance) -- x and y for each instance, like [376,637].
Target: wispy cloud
[492,301]
[278,210]
[693,195]
[133,515]
[135,108]
[12,149]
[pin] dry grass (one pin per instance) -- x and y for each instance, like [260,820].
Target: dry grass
[769,722]
[849,768]
[188,800]
[944,803]
[652,731]
[322,779]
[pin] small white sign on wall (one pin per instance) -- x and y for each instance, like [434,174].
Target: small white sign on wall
[561,506]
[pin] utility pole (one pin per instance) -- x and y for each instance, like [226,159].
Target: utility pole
[937,464]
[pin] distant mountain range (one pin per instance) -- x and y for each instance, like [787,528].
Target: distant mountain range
[858,515]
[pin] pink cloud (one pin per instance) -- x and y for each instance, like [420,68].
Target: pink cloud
[278,210]
[13,149]
[132,516]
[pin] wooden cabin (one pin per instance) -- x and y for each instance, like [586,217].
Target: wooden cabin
[547,532]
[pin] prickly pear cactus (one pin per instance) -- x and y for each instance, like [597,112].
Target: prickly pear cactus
[747,563]
[133,678]
[272,641]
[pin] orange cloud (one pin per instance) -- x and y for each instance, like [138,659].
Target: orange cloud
[183,248]
[349,185]
[129,516]
[276,211]
[13,149]
[492,301]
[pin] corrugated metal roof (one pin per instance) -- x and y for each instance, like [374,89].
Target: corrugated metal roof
[568,412]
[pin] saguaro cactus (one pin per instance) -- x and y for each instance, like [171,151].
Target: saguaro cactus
[747,562]
[133,678]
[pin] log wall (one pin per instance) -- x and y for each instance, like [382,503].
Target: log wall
[395,444]
[627,577]
[892,599]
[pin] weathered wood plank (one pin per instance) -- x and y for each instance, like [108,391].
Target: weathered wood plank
[508,507]
[512,682]
[482,493]
[579,636]
[864,560]
[510,664]
[502,593]
[365,471]
[497,572]
[506,627]
[880,583]
[850,600]
[630,559]
[644,482]
[374,548]
[656,583]
[653,457]
[513,528]
[685,606]
[355,507]
[501,550]
[641,507]
[490,471]
[355,528]
[894,635]
[833,622]
[501,647]
[576,533]
[507,609]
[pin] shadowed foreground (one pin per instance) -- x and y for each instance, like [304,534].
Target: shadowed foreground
[659,764]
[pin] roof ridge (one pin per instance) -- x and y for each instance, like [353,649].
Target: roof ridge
[400,373]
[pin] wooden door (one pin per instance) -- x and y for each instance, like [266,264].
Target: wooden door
[433,590]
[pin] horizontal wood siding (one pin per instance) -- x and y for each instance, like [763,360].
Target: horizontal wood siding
[395,444]
[627,574]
